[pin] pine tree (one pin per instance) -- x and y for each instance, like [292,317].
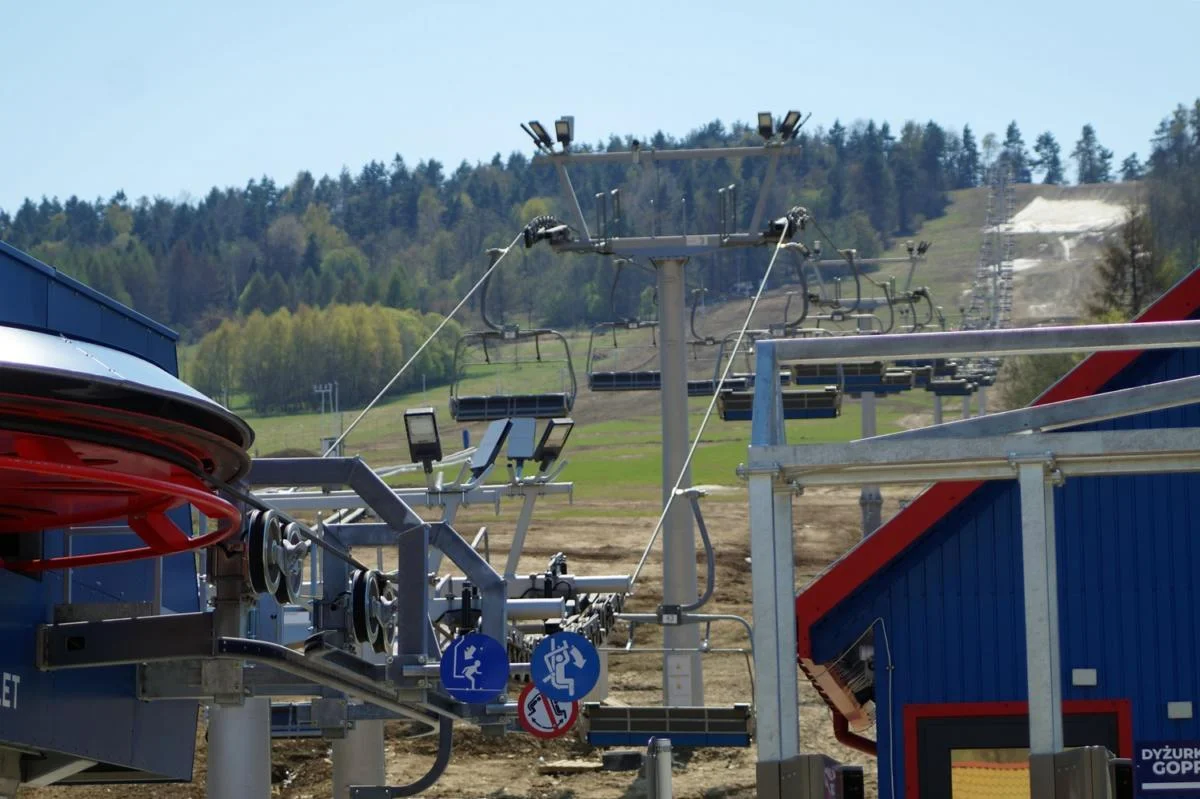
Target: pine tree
[1132,273]
[312,255]
[1093,162]
[255,296]
[1014,155]
[278,294]
[1049,159]
[1131,168]
[307,290]
[967,176]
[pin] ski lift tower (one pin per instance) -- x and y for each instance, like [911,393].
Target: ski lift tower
[683,683]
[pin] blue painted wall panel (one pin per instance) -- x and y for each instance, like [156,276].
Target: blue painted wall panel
[23,300]
[1128,550]
[38,296]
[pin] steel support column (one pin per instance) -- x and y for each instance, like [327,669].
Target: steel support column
[870,499]
[1039,558]
[683,680]
[518,543]
[966,407]
[776,689]
[937,409]
[982,409]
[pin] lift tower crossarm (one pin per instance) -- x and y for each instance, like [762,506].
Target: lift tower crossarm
[609,246]
[652,155]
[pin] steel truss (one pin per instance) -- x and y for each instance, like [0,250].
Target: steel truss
[1008,446]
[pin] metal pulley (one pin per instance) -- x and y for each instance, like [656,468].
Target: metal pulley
[275,557]
[372,610]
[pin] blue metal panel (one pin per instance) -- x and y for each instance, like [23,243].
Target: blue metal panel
[23,301]
[90,713]
[38,296]
[1128,554]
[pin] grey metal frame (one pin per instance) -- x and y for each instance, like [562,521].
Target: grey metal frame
[993,447]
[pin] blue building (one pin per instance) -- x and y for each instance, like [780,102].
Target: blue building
[918,631]
[85,726]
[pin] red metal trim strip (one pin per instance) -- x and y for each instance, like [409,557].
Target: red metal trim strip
[850,572]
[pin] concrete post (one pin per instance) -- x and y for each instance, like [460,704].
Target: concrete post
[239,750]
[937,409]
[358,759]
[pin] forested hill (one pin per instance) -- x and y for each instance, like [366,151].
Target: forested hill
[414,236]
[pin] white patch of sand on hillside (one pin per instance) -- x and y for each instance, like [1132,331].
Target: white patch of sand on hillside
[1066,216]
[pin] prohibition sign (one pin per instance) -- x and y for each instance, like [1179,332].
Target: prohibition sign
[543,717]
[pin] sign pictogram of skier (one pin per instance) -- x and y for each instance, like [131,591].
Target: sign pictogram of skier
[474,668]
[565,666]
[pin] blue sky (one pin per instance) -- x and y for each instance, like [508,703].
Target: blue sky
[172,98]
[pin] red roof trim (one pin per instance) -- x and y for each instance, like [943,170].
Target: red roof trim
[875,552]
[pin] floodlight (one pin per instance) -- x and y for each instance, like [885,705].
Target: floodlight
[554,439]
[766,125]
[564,129]
[542,136]
[787,128]
[424,442]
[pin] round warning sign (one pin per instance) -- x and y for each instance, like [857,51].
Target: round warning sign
[543,717]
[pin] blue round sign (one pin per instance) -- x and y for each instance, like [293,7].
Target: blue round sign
[565,666]
[474,668]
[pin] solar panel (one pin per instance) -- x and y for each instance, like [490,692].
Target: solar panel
[489,445]
[521,439]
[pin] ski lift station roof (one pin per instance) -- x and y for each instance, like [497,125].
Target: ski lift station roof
[916,640]
[40,297]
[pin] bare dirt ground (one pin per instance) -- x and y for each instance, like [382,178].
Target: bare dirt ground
[827,524]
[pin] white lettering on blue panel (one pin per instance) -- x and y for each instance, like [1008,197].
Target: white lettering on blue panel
[9,684]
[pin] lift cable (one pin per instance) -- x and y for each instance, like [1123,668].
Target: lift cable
[707,415]
[413,358]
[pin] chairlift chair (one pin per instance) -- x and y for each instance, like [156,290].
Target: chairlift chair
[631,361]
[951,387]
[517,402]
[798,403]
